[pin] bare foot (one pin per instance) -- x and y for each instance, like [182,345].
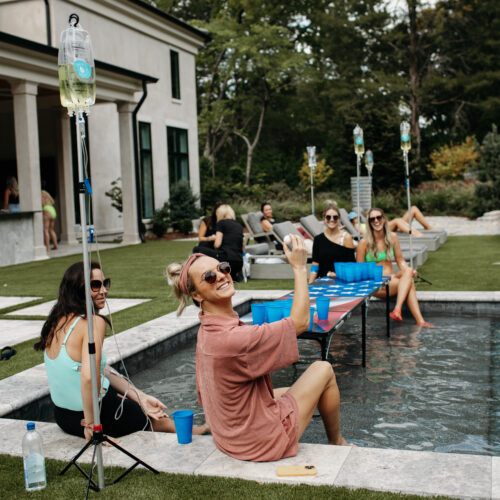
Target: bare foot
[201,429]
[417,233]
[424,324]
[343,442]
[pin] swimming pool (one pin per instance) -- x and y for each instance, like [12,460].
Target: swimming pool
[422,389]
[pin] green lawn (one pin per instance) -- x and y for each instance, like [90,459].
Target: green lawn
[463,263]
[142,484]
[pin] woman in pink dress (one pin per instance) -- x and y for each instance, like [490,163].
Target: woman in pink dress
[249,419]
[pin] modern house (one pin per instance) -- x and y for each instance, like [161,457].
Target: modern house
[141,132]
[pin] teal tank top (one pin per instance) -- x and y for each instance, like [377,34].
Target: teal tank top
[64,377]
[369,257]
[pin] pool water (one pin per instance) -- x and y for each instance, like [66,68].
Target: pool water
[422,389]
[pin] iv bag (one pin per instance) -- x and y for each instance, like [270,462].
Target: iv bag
[76,69]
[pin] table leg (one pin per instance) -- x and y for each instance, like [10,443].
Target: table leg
[363,333]
[387,307]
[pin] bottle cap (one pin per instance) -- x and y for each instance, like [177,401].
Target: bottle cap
[30,426]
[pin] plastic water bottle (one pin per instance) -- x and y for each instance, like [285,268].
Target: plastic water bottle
[34,461]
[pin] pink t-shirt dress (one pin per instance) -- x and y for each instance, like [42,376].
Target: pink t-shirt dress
[233,363]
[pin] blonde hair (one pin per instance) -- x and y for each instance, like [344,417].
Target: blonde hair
[173,273]
[225,212]
[370,237]
[11,183]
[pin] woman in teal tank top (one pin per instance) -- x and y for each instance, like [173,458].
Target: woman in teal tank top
[64,341]
[380,245]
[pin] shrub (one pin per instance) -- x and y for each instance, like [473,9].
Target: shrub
[185,226]
[160,221]
[454,160]
[321,173]
[182,204]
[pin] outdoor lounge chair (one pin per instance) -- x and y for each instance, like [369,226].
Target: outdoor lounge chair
[281,229]
[254,227]
[312,225]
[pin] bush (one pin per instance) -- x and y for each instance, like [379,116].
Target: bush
[185,226]
[182,204]
[454,160]
[160,221]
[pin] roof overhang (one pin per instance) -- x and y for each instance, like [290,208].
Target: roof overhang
[22,59]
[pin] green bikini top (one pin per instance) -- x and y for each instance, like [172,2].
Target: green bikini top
[369,257]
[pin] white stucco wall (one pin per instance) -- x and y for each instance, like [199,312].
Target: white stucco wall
[135,39]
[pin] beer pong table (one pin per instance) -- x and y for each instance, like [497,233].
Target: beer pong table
[345,298]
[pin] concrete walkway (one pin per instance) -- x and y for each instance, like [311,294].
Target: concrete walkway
[409,472]
[489,223]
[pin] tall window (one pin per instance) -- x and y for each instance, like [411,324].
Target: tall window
[147,189]
[174,74]
[178,156]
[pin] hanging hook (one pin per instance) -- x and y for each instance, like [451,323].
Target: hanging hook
[74,17]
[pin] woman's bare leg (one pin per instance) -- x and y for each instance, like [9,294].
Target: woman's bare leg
[46,225]
[401,226]
[53,235]
[417,214]
[317,388]
[412,302]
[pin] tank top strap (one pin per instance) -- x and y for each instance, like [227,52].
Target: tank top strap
[342,238]
[71,329]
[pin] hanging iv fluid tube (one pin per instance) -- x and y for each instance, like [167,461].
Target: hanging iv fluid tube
[76,68]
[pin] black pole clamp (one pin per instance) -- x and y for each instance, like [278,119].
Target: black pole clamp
[74,17]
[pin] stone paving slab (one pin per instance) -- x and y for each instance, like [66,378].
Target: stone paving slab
[15,331]
[495,478]
[417,472]
[43,309]
[327,459]
[6,302]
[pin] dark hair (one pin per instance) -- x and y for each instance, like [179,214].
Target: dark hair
[263,204]
[211,220]
[71,301]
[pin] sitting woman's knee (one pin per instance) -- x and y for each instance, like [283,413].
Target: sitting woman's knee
[325,368]
[408,272]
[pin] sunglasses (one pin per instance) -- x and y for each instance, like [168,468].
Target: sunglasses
[211,276]
[96,285]
[377,218]
[329,217]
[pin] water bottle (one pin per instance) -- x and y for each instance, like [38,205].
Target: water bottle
[359,145]
[34,462]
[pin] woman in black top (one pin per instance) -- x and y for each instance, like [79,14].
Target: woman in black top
[331,246]
[206,234]
[229,239]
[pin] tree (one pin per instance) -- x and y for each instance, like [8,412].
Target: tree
[451,162]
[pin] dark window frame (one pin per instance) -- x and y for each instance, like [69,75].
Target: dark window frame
[175,156]
[175,81]
[144,153]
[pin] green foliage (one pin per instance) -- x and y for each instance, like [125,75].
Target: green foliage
[115,193]
[182,204]
[453,161]
[161,221]
[321,173]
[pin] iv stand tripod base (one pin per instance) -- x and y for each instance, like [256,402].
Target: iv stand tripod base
[98,438]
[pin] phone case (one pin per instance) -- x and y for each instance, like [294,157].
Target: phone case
[296,470]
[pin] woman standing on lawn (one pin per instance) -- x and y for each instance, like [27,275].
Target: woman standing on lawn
[380,245]
[64,342]
[249,419]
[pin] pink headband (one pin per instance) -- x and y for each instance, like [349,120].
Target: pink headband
[183,277]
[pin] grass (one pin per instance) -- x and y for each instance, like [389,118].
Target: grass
[463,263]
[142,484]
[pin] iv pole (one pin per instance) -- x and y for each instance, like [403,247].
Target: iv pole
[311,154]
[97,437]
[358,149]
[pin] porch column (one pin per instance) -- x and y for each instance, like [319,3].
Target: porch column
[28,158]
[65,179]
[130,231]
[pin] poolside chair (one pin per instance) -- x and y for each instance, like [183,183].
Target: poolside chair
[344,218]
[282,229]
[312,225]
[254,227]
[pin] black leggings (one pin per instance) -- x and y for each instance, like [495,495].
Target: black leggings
[131,420]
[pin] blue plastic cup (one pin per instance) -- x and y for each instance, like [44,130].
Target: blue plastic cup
[358,272]
[371,270]
[286,307]
[378,272]
[349,273]
[339,270]
[183,420]
[311,318]
[323,306]
[258,313]
[274,312]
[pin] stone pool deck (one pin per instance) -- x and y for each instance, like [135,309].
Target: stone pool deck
[409,472]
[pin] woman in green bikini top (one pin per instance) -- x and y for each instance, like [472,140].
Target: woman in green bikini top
[380,245]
